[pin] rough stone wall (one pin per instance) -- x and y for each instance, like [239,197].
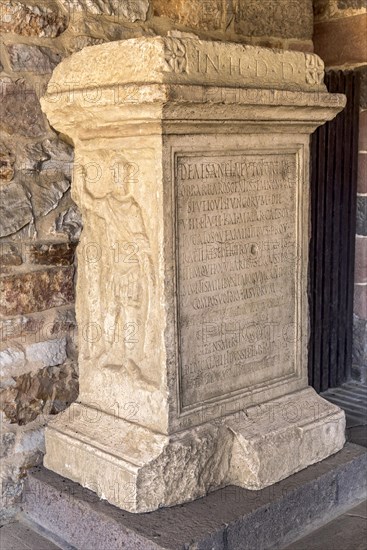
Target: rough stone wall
[340,38]
[39,224]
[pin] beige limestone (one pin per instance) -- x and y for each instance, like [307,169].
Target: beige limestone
[192,269]
[179,60]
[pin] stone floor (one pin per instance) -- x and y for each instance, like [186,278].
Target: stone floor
[18,536]
[347,532]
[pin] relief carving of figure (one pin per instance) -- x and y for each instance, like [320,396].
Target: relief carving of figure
[126,282]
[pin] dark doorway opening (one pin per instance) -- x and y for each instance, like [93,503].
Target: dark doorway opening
[334,157]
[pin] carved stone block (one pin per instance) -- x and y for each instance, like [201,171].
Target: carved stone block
[191,174]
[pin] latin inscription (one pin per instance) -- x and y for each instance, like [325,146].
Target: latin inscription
[237,270]
[238,66]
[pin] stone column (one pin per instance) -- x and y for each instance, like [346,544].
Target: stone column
[192,176]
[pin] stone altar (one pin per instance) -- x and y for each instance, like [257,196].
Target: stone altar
[192,176]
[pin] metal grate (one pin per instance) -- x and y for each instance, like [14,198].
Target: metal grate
[334,150]
[352,398]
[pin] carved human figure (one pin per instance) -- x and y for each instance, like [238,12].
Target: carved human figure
[125,278]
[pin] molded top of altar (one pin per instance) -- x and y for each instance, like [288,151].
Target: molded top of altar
[187,60]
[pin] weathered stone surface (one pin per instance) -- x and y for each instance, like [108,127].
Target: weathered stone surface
[19,359]
[360,274]
[129,10]
[77,43]
[59,157]
[284,18]
[29,19]
[361,227]
[46,156]
[9,255]
[36,291]
[7,160]
[12,359]
[46,176]
[70,222]
[7,440]
[20,111]
[229,519]
[238,449]
[92,30]
[178,61]
[37,59]
[39,327]
[47,391]
[64,322]
[362,173]
[57,254]
[30,439]
[15,208]
[20,326]
[31,157]
[359,341]
[46,190]
[11,485]
[341,41]
[46,354]
[13,473]
[321,9]
[354,4]
[192,298]
[360,301]
[198,14]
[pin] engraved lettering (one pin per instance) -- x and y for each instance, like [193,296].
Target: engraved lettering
[236,248]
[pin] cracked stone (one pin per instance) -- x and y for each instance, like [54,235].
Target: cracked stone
[36,291]
[20,110]
[70,222]
[10,359]
[57,254]
[7,160]
[52,324]
[351,4]
[20,326]
[59,156]
[47,354]
[31,157]
[30,440]
[9,255]
[196,13]
[15,209]
[27,19]
[267,18]
[128,10]
[47,391]
[39,59]
[7,440]
[46,192]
